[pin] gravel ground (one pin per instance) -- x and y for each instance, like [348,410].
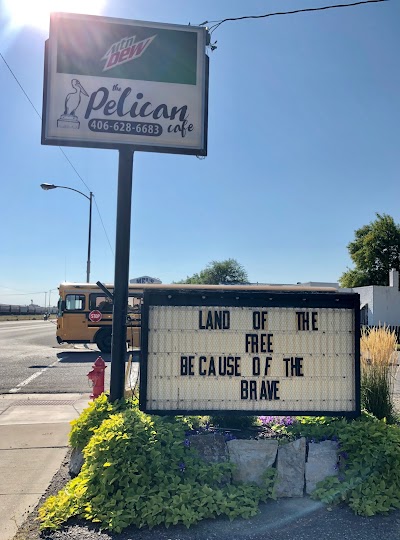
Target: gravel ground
[286,519]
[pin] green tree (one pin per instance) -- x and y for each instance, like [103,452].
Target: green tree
[228,272]
[374,251]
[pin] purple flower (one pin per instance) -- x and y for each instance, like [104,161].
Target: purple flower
[266,420]
[186,442]
[277,420]
[288,420]
[182,466]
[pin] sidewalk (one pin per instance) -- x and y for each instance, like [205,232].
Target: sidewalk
[33,442]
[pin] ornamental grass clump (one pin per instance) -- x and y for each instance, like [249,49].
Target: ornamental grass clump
[378,371]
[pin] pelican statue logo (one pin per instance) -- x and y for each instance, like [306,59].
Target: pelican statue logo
[69,119]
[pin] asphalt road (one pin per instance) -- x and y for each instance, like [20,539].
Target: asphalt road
[31,361]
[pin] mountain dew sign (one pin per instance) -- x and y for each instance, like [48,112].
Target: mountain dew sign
[114,82]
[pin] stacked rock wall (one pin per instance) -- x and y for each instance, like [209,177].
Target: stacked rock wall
[300,466]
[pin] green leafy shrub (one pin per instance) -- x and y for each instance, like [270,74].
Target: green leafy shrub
[198,422]
[140,470]
[315,428]
[378,371]
[369,467]
[91,418]
[234,421]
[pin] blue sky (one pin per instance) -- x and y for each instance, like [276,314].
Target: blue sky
[303,148]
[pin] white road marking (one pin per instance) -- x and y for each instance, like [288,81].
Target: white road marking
[25,327]
[31,378]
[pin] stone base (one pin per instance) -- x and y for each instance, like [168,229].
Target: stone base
[76,462]
[252,458]
[321,463]
[290,468]
[69,124]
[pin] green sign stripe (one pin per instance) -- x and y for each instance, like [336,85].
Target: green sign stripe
[102,49]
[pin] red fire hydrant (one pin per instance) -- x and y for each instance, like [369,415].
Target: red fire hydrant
[97,377]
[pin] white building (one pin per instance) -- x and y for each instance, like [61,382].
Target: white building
[380,304]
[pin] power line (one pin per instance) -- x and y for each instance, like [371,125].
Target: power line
[105,232]
[59,147]
[73,167]
[40,117]
[304,10]
[11,289]
[20,85]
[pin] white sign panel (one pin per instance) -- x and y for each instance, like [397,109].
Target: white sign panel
[251,359]
[114,82]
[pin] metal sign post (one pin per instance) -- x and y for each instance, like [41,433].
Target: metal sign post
[121,276]
[131,86]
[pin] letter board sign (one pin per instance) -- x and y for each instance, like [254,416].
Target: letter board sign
[250,352]
[114,82]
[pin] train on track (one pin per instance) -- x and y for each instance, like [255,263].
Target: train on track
[9,309]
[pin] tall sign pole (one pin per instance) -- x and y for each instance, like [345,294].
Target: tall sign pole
[130,86]
[121,276]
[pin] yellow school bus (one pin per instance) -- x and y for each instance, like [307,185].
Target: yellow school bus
[85,315]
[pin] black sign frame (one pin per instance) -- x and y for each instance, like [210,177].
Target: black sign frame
[250,298]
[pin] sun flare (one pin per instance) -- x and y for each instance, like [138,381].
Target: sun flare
[37,13]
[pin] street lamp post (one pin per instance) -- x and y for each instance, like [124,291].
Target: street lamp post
[46,187]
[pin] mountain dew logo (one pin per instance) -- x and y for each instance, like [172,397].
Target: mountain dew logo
[125,50]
